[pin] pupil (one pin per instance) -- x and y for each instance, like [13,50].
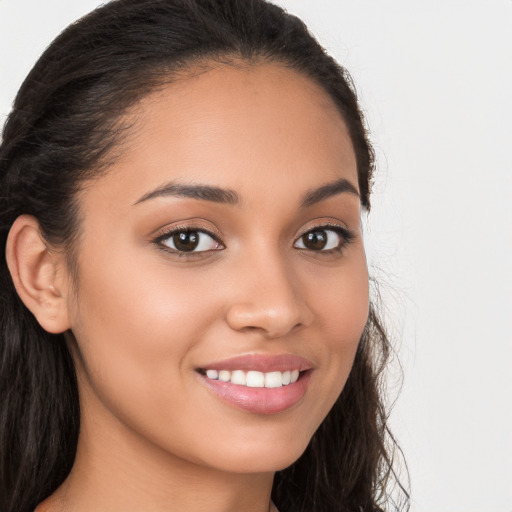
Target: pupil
[315,240]
[186,241]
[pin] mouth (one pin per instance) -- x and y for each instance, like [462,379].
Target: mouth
[259,384]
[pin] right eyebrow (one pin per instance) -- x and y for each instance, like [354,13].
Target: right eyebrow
[201,192]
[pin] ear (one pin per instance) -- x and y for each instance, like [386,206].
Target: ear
[39,275]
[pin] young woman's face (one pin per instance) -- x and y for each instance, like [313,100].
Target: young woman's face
[219,258]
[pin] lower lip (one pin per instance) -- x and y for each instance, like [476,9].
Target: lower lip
[260,400]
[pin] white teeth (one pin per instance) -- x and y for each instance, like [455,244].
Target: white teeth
[224,376]
[212,374]
[273,380]
[238,377]
[254,379]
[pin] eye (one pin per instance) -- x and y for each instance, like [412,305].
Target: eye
[189,241]
[324,239]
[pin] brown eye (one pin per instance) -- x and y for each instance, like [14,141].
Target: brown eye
[190,241]
[323,239]
[186,241]
[315,240]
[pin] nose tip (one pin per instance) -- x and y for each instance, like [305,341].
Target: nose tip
[274,310]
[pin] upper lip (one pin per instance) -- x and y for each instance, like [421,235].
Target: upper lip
[262,363]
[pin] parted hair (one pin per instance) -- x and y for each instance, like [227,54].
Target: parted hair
[64,129]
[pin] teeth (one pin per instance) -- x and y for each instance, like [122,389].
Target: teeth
[254,379]
[212,374]
[224,376]
[238,377]
[273,380]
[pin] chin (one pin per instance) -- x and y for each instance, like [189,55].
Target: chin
[263,456]
[262,462]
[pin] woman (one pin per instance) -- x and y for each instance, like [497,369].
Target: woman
[185,312]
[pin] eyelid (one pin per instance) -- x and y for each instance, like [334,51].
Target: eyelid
[325,224]
[187,225]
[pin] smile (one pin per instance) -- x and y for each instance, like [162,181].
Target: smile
[254,379]
[258,383]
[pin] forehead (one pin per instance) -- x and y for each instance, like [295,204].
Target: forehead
[244,127]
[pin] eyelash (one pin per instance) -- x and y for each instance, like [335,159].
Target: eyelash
[346,237]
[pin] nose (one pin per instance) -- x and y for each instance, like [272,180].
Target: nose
[268,299]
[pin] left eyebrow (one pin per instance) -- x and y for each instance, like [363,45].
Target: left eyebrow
[330,189]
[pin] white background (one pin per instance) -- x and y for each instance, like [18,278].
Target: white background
[435,81]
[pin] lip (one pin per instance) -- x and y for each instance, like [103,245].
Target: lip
[260,400]
[261,363]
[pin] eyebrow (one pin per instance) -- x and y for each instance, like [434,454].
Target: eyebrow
[202,192]
[326,191]
[228,196]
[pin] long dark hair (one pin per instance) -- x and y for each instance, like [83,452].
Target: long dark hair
[63,130]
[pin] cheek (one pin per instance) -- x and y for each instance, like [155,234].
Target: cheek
[135,326]
[341,310]
[341,302]
[134,305]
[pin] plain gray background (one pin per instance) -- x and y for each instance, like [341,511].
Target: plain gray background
[435,81]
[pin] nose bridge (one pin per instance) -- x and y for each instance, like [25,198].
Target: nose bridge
[268,297]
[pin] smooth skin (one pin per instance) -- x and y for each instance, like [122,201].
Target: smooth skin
[145,317]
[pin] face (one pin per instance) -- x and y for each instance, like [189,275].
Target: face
[223,286]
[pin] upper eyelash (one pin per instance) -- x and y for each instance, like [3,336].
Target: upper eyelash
[335,227]
[345,232]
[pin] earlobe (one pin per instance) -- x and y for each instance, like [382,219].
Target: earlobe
[36,273]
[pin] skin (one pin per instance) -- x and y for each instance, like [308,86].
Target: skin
[153,436]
